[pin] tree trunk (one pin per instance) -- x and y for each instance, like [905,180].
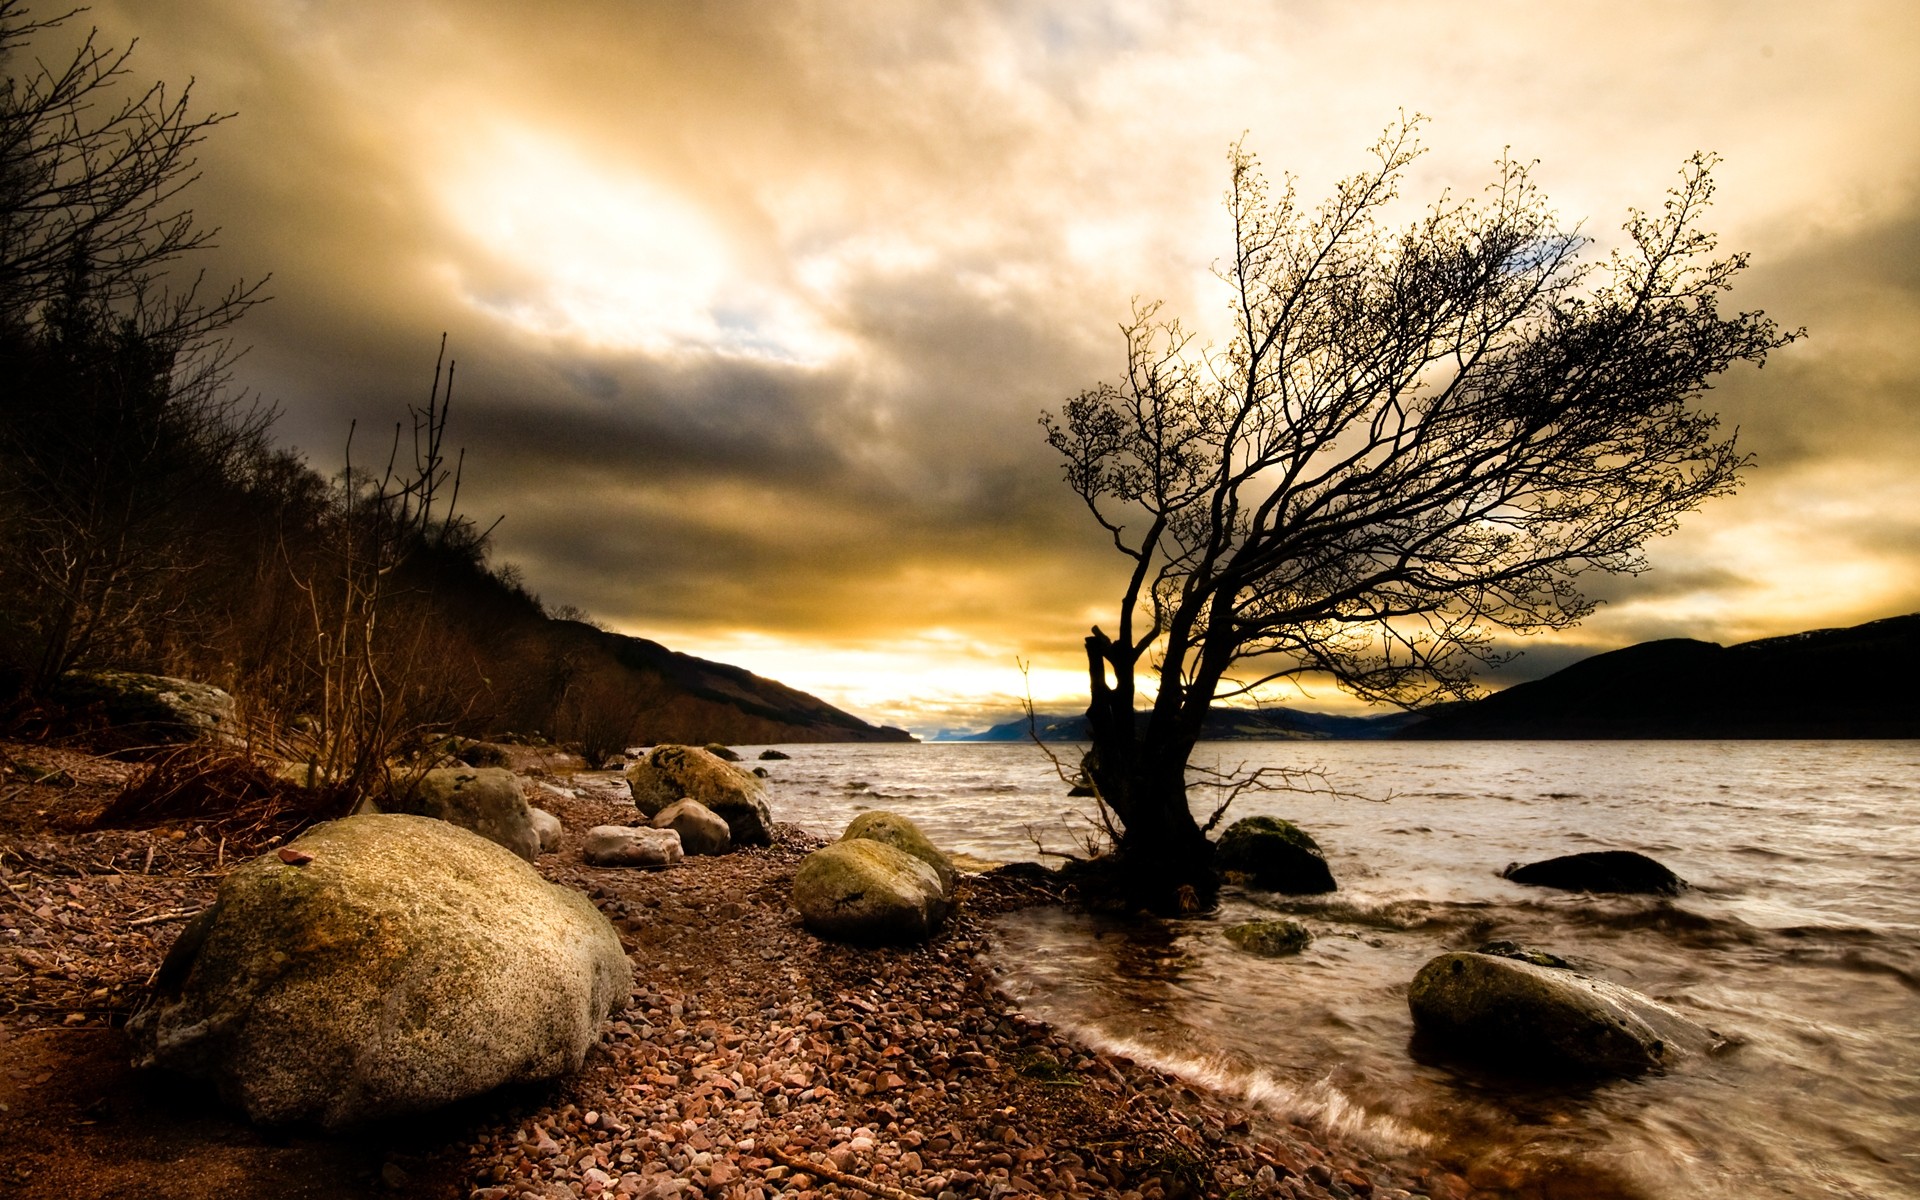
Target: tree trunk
[1139,768]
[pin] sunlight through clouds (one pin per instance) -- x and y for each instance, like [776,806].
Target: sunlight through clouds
[596,253]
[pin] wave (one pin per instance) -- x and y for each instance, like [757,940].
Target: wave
[1318,1103]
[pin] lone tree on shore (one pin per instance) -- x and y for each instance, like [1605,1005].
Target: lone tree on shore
[1415,438]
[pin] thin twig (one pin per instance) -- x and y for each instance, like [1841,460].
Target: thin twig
[183,914]
[802,1163]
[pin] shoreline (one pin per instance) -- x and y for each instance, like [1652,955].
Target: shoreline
[753,1059]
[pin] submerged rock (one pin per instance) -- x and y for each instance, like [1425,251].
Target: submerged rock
[547,828]
[868,892]
[1270,939]
[701,830]
[671,773]
[1600,871]
[402,964]
[1506,1013]
[878,825]
[1275,856]
[631,846]
[486,800]
[1523,953]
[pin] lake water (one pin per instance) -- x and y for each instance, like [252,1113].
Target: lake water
[1799,940]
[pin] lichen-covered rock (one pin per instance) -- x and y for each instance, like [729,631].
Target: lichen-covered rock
[547,828]
[1507,1013]
[403,964]
[868,892]
[901,833]
[487,800]
[671,773]
[1275,856]
[701,830]
[1523,953]
[1270,939]
[1600,871]
[631,846]
[145,710]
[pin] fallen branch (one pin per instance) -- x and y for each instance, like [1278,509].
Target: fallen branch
[184,914]
[802,1163]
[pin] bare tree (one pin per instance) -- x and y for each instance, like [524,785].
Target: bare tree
[1416,437]
[117,409]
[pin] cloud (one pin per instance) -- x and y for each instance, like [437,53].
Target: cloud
[755,306]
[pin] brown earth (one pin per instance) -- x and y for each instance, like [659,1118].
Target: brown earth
[752,1059]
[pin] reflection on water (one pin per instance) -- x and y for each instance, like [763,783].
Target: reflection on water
[1800,940]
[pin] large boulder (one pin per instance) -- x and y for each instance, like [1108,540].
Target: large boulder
[630,846]
[701,830]
[1275,856]
[486,800]
[1600,871]
[902,834]
[145,710]
[380,965]
[671,773]
[868,892]
[1507,1013]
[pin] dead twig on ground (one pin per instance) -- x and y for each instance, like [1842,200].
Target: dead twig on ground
[802,1163]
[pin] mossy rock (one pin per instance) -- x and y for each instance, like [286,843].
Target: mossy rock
[868,892]
[1270,939]
[672,773]
[878,825]
[1275,856]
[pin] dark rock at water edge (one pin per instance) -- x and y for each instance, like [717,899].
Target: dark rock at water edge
[672,773]
[1270,939]
[1623,871]
[1275,856]
[1546,1022]
[723,753]
[774,756]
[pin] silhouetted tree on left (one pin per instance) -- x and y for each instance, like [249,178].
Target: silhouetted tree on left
[118,416]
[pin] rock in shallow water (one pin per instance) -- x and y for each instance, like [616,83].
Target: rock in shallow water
[1275,856]
[869,892]
[1546,1021]
[1270,939]
[631,846]
[404,964]
[1600,871]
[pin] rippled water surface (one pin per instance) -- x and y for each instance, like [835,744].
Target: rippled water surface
[1800,940]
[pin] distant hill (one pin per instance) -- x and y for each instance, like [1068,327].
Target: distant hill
[676,697]
[1826,683]
[1223,724]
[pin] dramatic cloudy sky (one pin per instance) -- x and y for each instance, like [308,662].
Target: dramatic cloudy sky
[755,305]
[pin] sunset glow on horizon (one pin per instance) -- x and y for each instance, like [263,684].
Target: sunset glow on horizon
[756,306]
